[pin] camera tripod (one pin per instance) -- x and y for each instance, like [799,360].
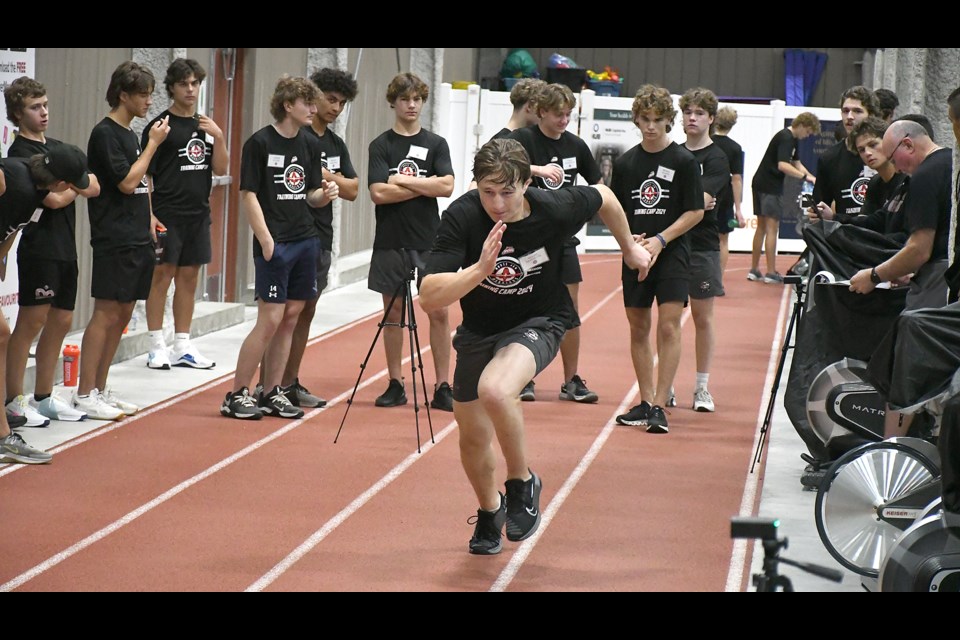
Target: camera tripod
[770,580]
[801,290]
[408,319]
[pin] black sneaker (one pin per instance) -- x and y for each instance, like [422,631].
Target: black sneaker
[276,403]
[523,507]
[15,421]
[300,396]
[442,398]
[394,396]
[577,391]
[637,416]
[241,405]
[657,421]
[528,394]
[486,540]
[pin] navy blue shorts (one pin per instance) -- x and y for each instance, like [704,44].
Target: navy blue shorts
[291,273]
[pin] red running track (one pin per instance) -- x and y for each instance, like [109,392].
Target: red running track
[182,499]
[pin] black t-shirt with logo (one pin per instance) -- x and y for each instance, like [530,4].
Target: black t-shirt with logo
[181,169]
[768,178]
[655,189]
[928,203]
[734,153]
[335,159]
[22,202]
[842,178]
[503,133]
[411,224]
[569,152]
[281,171]
[525,282]
[882,207]
[715,177]
[117,220]
[54,236]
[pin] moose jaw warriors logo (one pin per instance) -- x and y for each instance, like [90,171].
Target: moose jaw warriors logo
[408,167]
[858,190]
[294,178]
[506,273]
[195,151]
[551,184]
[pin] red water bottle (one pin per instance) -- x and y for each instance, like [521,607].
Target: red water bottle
[71,365]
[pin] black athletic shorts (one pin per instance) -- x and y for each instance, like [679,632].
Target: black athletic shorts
[52,282]
[124,276]
[188,240]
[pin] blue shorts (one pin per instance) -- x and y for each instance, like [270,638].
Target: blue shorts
[290,274]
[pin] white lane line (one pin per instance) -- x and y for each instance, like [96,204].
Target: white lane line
[738,556]
[526,547]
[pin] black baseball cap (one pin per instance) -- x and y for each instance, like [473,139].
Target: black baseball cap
[68,163]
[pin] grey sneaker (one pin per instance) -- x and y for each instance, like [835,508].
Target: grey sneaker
[486,540]
[300,396]
[577,391]
[14,449]
[702,400]
[672,398]
[241,405]
[773,278]
[754,275]
[528,394]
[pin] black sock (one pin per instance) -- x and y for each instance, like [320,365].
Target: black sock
[40,396]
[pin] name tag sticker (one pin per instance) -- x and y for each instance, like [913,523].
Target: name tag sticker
[534,258]
[665,173]
[36,214]
[420,153]
[274,160]
[569,163]
[333,163]
[208,138]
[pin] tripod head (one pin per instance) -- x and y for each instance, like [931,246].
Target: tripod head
[767,529]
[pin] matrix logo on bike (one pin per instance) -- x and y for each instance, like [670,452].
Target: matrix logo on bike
[506,273]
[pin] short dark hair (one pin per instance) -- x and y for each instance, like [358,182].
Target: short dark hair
[888,102]
[921,120]
[869,126]
[866,97]
[502,160]
[335,80]
[181,69]
[129,78]
[407,84]
[19,90]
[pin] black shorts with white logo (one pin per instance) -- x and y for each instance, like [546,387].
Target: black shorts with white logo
[706,278]
[291,272]
[52,282]
[540,335]
[188,240]
[123,276]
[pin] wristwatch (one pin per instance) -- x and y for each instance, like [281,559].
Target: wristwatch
[874,276]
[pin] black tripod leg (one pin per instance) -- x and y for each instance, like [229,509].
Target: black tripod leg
[415,342]
[363,365]
[797,306]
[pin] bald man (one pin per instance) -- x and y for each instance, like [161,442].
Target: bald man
[926,212]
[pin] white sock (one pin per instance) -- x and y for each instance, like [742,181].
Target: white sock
[156,339]
[702,380]
[181,340]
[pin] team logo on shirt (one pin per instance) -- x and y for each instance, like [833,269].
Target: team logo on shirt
[858,190]
[506,273]
[408,167]
[195,151]
[294,178]
[552,184]
[650,193]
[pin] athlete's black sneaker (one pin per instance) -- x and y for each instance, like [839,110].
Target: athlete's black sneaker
[657,421]
[15,421]
[442,398]
[577,391]
[241,405]
[394,396]
[486,540]
[523,507]
[276,403]
[637,416]
[528,394]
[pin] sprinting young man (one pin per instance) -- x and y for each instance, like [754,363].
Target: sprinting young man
[557,157]
[409,168]
[122,233]
[181,173]
[511,327]
[280,179]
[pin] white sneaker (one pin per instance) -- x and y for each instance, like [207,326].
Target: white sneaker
[112,398]
[96,407]
[19,406]
[56,409]
[189,356]
[158,359]
[702,400]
